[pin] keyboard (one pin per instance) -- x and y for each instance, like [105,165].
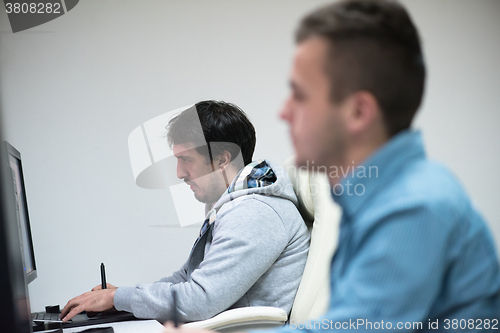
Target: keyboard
[45,317]
[45,321]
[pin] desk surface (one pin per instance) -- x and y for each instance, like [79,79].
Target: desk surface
[134,326]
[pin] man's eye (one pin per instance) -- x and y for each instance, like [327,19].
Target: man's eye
[298,96]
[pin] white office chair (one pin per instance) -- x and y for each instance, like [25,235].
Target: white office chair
[322,216]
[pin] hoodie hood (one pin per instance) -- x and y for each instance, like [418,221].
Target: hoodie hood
[281,188]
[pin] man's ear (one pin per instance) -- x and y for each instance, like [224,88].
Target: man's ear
[223,160]
[362,111]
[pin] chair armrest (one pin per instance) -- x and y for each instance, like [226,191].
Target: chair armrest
[242,318]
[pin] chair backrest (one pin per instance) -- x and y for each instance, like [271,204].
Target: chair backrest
[322,215]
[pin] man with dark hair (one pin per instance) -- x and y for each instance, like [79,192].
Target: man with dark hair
[253,244]
[212,129]
[413,253]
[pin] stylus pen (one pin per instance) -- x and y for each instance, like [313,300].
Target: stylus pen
[175,316]
[103,276]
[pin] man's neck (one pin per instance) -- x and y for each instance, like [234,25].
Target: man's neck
[353,157]
[228,176]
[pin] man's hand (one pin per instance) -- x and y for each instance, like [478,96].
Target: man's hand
[93,301]
[108,285]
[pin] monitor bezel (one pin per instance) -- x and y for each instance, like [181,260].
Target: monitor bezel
[15,314]
[15,153]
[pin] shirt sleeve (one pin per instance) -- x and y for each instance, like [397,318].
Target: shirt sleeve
[247,239]
[178,276]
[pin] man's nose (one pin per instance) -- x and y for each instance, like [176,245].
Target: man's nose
[286,110]
[181,172]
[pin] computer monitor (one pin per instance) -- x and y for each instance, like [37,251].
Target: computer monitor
[15,314]
[17,260]
[28,253]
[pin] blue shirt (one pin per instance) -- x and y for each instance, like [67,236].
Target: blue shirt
[412,249]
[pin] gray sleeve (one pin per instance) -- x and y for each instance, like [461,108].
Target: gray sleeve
[178,276]
[248,237]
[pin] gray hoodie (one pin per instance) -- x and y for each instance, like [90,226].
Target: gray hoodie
[253,255]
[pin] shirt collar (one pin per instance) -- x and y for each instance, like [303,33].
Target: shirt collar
[364,181]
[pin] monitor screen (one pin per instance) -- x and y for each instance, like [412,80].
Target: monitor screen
[15,313]
[27,250]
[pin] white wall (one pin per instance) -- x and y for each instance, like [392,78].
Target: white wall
[73,89]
